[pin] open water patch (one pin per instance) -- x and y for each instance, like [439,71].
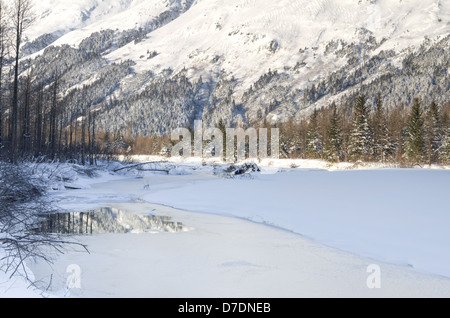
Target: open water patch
[105,220]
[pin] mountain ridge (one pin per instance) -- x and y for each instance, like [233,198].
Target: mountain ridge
[246,60]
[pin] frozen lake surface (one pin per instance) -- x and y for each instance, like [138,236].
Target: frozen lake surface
[297,233]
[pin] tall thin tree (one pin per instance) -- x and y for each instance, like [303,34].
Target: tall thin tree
[38,122]
[361,137]
[53,130]
[314,138]
[3,56]
[434,135]
[382,142]
[334,139]
[415,134]
[25,137]
[22,19]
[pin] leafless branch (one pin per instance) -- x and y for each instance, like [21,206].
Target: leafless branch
[23,204]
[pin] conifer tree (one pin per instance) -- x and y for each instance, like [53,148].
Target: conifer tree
[290,138]
[223,128]
[414,135]
[445,147]
[383,146]
[313,138]
[361,137]
[334,140]
[434,134]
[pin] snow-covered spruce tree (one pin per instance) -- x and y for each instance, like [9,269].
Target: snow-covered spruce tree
[361,137]
[414,135]
[290,138]
[285,139]
[383,145]
[445,147]
[334,139]
[434,134]
[313,138]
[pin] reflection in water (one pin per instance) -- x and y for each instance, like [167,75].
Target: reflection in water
[105,220]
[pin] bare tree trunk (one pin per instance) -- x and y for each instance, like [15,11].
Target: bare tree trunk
[83,140]
[25,137]
[38,123]
[3,49]
[94,142]
[81,223]
[66,136]
[76,138]
[21,20]
[53,126]
[70,137]
[60,134]
[89,138]
[15,100]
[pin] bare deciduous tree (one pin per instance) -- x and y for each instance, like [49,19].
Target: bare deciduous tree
[3,55]
[21,18]
[23,204]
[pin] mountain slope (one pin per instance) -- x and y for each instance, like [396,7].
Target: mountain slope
[241,60]
[258,35]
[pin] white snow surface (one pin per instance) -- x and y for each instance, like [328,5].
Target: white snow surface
[390,215]
[303,232]
[79,19]
[238,33]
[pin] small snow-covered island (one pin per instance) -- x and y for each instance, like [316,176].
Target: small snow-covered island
[190,149]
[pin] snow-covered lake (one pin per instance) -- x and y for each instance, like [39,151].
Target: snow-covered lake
[296,233]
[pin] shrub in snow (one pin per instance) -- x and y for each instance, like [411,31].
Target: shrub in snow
[243,169]
[22,198]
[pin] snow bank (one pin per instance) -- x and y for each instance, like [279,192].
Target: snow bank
[17,286]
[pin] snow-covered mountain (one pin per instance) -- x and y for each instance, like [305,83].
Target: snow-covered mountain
[159,64]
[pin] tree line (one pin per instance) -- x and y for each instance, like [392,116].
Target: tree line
[41,118]
[407,135]
[34,122]
[419,134]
